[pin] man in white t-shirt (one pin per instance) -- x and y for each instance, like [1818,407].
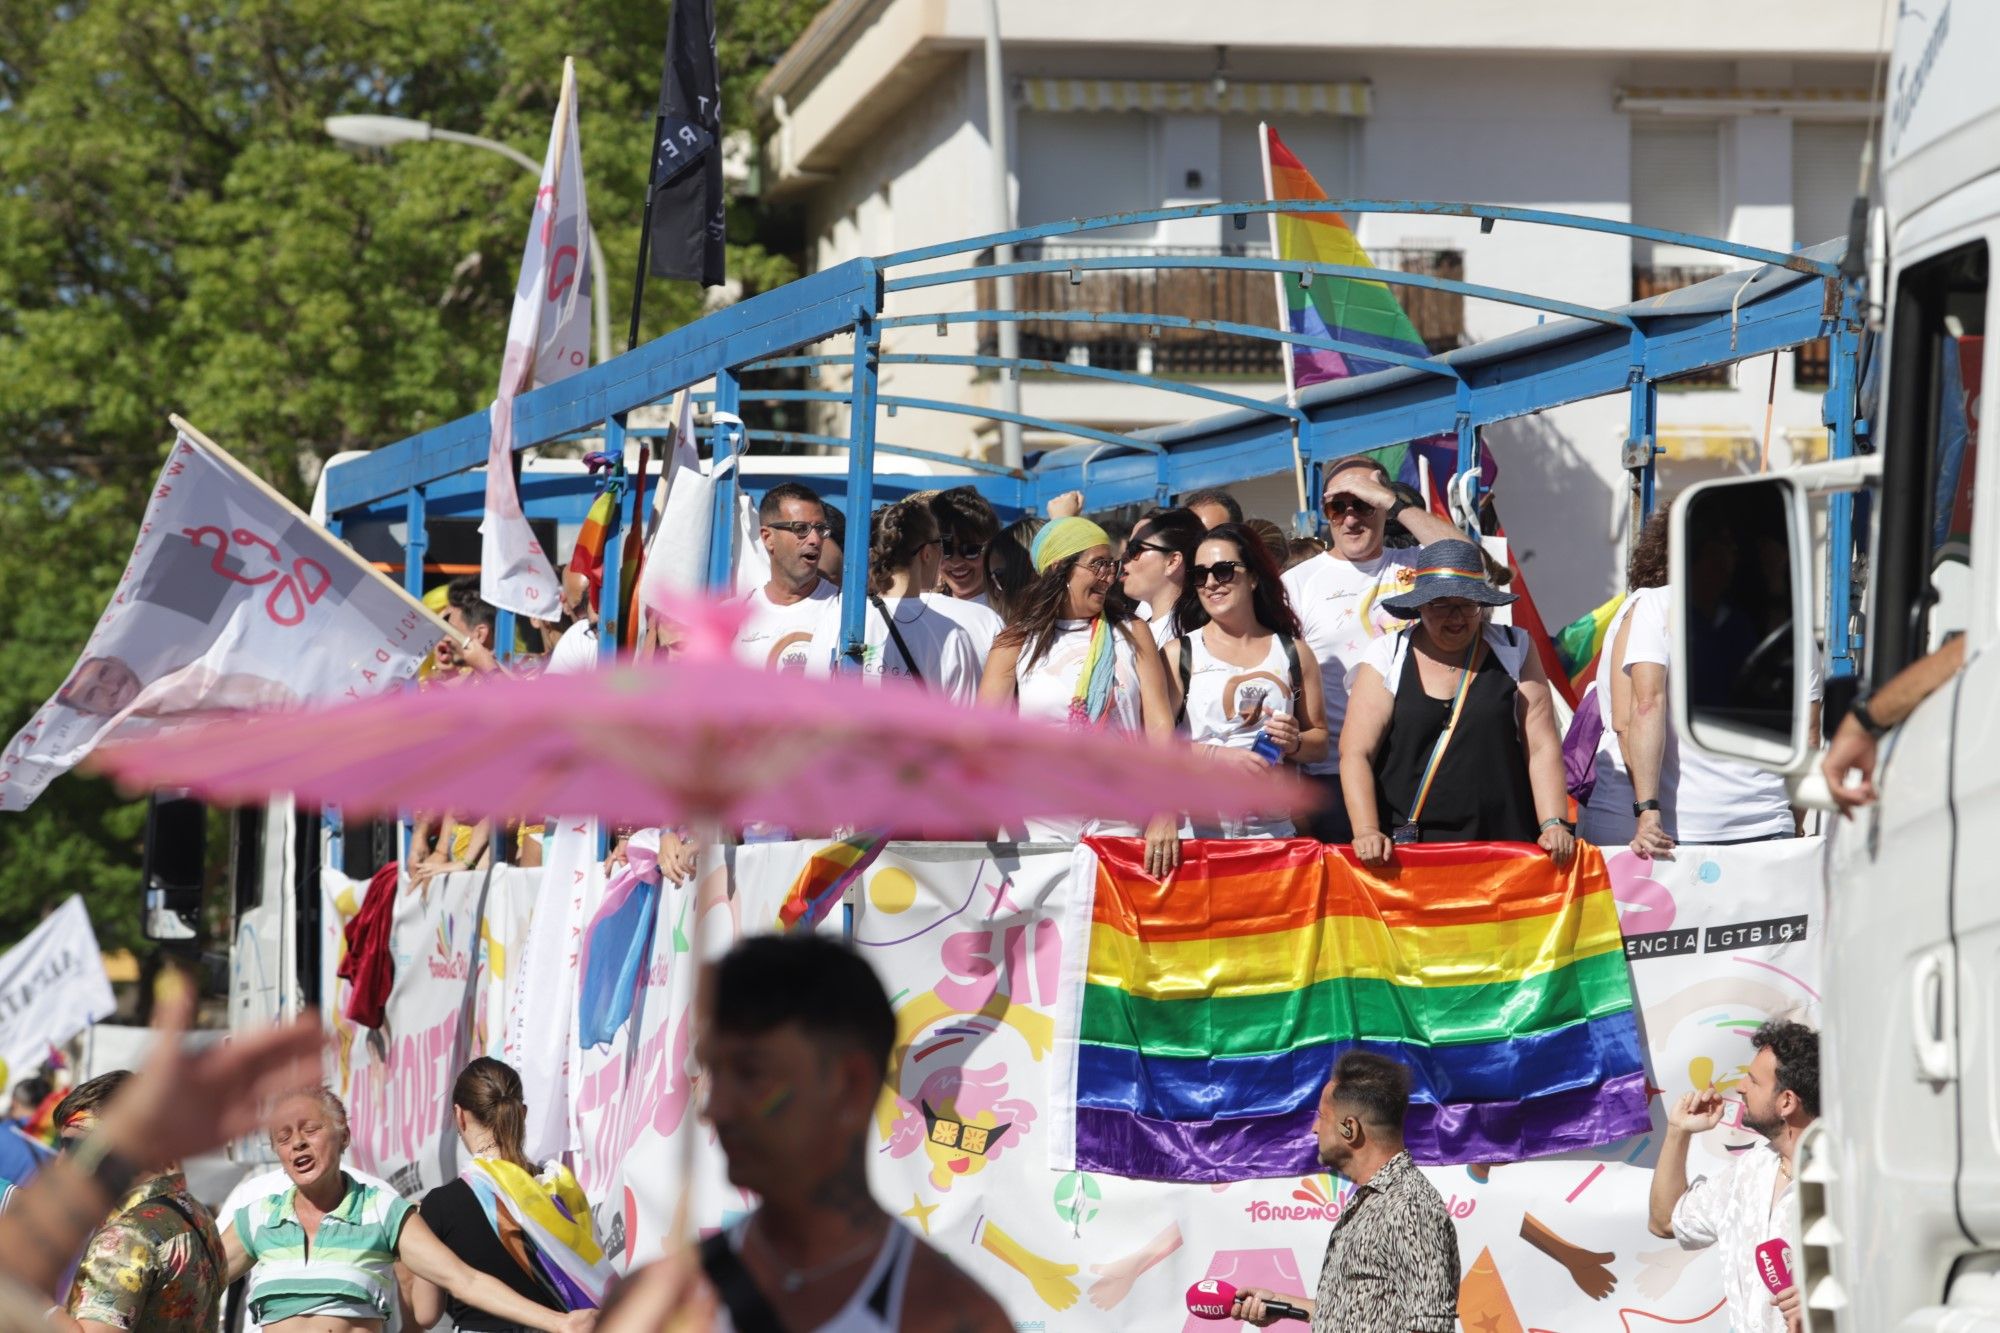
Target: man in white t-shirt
[783,613]
[1337,595]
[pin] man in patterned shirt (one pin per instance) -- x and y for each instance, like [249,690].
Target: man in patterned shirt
[1392,1265]
[156,1265]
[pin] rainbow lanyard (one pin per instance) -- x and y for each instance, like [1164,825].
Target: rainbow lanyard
[1444,737]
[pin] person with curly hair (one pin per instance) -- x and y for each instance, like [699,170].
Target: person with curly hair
[905,636]
[1747,1202]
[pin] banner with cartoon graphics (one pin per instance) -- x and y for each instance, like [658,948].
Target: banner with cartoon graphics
[968,941]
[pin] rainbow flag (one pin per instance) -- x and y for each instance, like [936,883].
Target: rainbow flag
[1350,309]
[1582,642]
[587,558]
[1201,1017]
[826,877]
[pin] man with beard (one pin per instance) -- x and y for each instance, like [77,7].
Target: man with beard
[1747,1203]
[784,612]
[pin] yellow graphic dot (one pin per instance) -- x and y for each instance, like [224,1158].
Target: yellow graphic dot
[892,889]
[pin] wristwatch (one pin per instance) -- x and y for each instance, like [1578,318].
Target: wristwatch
[1398,507]
[1859,712]
[1641,807]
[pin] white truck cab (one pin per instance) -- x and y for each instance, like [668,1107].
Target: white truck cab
[1899,1182]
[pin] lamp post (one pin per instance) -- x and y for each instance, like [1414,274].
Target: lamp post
[388,131]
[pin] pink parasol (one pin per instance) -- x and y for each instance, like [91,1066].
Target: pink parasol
[698,739]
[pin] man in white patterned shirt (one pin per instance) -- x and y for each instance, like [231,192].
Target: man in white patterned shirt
[1746,1203]
[1392,1264]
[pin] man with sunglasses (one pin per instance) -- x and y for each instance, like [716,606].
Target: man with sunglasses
[785,611]
[1337,594]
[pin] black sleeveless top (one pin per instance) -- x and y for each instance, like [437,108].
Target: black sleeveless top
[1481,793]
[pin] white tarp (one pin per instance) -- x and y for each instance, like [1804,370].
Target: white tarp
[52,986]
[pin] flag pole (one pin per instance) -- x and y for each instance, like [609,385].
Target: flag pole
[646,229]
[347,553]
[1284,325]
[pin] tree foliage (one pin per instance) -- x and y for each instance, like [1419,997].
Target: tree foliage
[178,233]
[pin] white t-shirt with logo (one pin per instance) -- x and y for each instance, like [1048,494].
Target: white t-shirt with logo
[1702,800]
[942,650]
[980,621]
[1338,605]
[780,637]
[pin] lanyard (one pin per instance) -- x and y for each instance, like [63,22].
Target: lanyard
[1444,737]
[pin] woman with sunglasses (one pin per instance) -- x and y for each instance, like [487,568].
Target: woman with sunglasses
[1450,733]
[1069,654]
[967,526]
[1155,567]
[904,635]
[1241,675]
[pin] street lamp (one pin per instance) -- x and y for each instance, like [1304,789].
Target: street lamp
[388,131]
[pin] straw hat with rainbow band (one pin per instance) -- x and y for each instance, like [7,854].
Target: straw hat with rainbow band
[1451,568]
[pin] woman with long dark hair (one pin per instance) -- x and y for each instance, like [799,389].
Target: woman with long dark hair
[1010,569]
[905,635]
[1241,674]
[1069,654]
[1155,566]
[528,1226]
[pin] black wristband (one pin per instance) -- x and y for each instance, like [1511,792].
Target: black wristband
[1859,712]
[1641,807]
[1396,509]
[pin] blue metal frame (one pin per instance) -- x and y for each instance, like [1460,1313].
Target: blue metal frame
[1590,352]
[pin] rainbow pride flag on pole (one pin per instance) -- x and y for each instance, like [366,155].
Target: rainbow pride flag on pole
[827,876]
[1200,1018]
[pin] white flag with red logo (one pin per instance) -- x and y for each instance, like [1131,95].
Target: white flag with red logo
[233,600]
[547,339]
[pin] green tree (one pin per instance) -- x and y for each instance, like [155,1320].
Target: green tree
[177,233]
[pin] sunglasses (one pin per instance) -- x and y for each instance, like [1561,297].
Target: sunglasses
[1135,548]
[799,530]
[975,1139]
[963,550]
[1337,506]
[1222,571]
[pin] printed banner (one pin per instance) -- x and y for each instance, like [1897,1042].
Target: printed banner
[548,339]
[969,940]
[232,599]
[52,986]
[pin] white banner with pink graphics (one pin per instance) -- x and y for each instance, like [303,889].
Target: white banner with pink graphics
[968,944]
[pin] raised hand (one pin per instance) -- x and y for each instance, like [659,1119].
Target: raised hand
[1696,1111]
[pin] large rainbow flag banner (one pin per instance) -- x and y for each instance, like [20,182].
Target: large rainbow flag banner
[1201,1017]
[1350,309]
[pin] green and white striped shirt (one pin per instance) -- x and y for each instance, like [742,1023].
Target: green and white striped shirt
[348,1270]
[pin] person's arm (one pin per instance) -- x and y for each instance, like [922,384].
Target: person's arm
[1369,706]
[1545,764]
[1170,651]
[479,844]
[958,677]
[1645,747]
[1250,1308]
[428,1258]
[1301,735]
[996,685]
[1428,1284]
[1694,1113]
[1163,833]
[1853,749]
[1067,505]
[425,1298]
[1421,523]
[236,1260]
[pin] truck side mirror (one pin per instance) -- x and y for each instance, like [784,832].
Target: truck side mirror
[1742,622]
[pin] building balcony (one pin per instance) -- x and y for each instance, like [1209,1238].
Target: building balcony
[1228,295]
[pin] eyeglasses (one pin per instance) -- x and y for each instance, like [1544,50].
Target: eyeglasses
[975,1139]
[1102,567]
[1450,608]
[1337,506]
[799,530]
[1222,571]
[963,550]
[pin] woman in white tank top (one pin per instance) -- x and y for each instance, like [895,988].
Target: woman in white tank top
[1242,671]
[1069,657]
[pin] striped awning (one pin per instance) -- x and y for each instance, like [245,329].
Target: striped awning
[1799,103]
[1251,95]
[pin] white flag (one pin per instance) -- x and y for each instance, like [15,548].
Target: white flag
[547,339]
[677,556]
[232,600]
[52,986]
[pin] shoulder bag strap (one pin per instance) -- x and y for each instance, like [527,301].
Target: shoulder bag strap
[1444,737]
[889,618]
[1297,672]
[194,1225]
[1187,674]
[749,1310]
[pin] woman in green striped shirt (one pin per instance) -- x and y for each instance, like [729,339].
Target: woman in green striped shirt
[322,1256]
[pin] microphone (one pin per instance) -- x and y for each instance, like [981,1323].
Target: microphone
[1774,1265]
[1212,1298]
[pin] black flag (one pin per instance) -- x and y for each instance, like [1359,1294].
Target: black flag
[687,206]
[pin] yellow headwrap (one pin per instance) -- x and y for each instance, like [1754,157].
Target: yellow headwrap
[1064,538]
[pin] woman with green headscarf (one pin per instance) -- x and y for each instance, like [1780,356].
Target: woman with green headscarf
[1069,654]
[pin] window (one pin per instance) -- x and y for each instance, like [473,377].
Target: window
[1322,143]
[1676,186]
[1826,163]
[1082,164]
[1936,348]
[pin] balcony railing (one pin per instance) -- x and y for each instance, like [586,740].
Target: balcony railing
[1657,279]
[1206,294]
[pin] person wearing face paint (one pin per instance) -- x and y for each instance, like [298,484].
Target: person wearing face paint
[777,633]
[1339,599]
[794,1034]
[1241,674]
[1154,570]
[1748,1202]
[1450,733]
[322,1257]
[1071,656]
